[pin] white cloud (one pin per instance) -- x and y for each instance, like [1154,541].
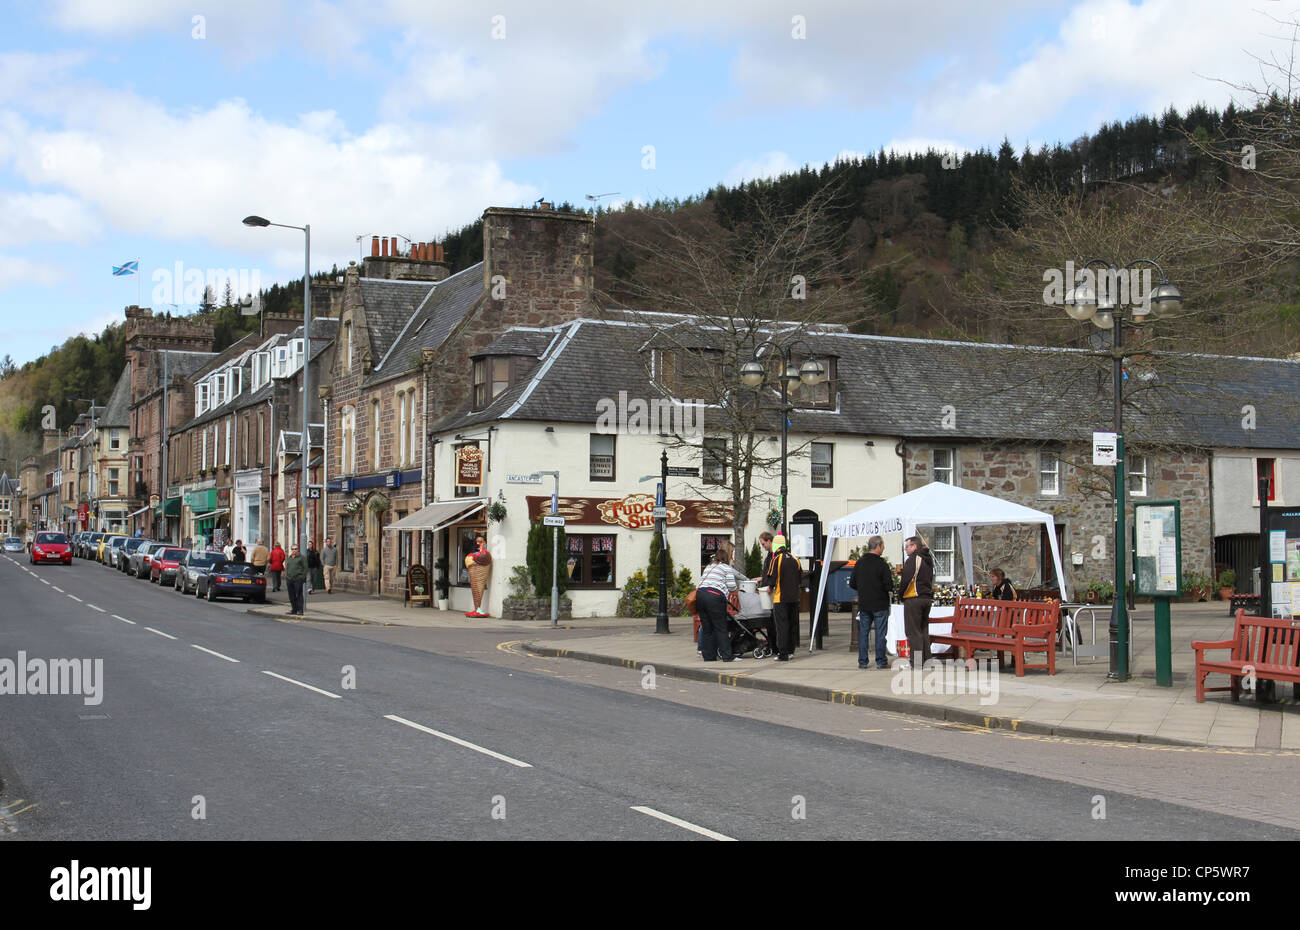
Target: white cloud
[37,217]
[769,165]
[16,271]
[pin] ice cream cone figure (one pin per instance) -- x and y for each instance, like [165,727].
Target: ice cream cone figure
[479,564]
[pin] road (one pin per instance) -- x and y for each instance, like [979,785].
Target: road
[216,724]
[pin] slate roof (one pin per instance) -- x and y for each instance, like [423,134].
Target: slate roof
[931,389]
[429,324]
[8,486]
[118,411]
[388,305]
[293,439]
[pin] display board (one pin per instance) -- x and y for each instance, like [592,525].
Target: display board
[1158,550]
[1282,544]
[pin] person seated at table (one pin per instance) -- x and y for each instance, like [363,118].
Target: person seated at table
[1001,588]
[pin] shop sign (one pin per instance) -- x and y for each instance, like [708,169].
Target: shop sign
[469,466]
[636,511]
[223,497]
[154,501]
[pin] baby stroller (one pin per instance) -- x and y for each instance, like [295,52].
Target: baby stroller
[748,634]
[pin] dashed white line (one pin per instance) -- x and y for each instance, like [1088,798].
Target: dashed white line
[77,599]
[159,632]
[302,684]
[43,581]
[459,742]
[123,619]
[211,653]
[684,824]
[100,609]
[57,588]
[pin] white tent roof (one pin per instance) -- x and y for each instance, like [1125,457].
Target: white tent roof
[936,504]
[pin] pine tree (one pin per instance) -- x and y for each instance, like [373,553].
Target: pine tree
[652,573]
[228,295]
[209,302]
[540,559]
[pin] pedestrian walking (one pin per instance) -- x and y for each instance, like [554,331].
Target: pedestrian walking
[238,554]
[765,540]
[329,559]
[874,583]
[275,562]
[717,582]
[917,585]
[316,578]
[783,577]
[258,556]
[295,574]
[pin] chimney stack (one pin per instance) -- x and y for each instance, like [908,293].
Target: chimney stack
[374,246]
[384,253]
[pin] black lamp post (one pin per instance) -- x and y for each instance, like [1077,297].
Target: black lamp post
[753,373]
[1100,305]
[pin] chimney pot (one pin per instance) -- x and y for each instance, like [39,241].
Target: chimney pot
[385,249]
[374,246]
[438,251]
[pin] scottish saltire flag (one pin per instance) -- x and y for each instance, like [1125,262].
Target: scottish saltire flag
[128,268]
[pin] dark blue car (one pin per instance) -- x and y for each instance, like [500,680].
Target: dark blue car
[233,579]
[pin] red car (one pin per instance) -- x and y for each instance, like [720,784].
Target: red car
[163,564]
[51,547]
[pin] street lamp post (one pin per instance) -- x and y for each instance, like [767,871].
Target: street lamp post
[91,484]
[306,371]
[1083,302]
[753,374]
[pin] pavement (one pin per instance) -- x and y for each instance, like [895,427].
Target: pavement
[1079,701]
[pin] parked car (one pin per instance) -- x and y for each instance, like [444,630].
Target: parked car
[233,579]
[197,564]
[128,547]
[51,547]
[89,542]
[163,564]
[13,544]
[139,564]
[112,546]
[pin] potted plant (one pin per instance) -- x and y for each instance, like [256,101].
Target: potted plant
[496,511]
[442,585]
[379,503]
[1227,584]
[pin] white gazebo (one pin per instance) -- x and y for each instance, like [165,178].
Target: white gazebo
[937,504]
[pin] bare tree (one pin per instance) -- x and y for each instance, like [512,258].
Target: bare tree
[772,280]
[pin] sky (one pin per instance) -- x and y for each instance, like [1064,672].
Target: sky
[147,129]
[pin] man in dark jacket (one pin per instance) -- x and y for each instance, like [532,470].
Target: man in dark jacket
[917,585]
[295,574]
[874,583]
[783,577]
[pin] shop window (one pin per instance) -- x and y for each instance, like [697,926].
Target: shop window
[403,549]
[823,465]
[708,546]
[466,544]
[602,457]
[348,549]
[590,561]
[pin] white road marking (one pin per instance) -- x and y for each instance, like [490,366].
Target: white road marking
[685,825]
[43,581]
[100,609]
[77,599]
[301,684]
[159,632]
[459,742]
[123,619]
[211,653]
[57,588]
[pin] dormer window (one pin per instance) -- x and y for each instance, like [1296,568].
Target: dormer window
[491,377]
[281,361]
[218,390]
[201,394]
[236,382]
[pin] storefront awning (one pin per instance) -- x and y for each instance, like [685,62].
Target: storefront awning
[211,514]
[437,515]
[136,513]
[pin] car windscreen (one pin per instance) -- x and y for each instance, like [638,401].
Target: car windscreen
[173,555]
[202,560]
[132,544]
[51,538]
[12,539]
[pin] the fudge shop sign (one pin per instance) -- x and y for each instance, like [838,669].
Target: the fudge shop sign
[637,511]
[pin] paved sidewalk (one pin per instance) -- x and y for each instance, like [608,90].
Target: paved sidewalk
[1077,701]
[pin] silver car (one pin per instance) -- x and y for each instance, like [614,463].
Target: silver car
[14,544]
[139,564]
[195,566]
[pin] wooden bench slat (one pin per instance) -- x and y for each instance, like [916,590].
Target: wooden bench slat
[1269,648]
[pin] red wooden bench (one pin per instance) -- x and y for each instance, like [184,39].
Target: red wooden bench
[1014,627]
[1267,648]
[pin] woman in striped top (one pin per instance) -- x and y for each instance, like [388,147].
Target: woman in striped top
[718,580]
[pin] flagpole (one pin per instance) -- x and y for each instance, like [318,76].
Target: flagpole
[137,282]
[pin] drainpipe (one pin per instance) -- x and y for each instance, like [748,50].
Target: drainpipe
[324,471]
[270,471]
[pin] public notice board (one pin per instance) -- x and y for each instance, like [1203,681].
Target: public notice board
[1283,546]
[1157,546]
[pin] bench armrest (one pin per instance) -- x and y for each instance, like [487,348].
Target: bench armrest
[1021,630]
[1201,645]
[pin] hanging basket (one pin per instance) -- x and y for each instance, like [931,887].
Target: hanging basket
[379,504]
[774,518]
[496,512]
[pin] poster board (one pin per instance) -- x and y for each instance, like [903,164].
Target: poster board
[1158,549]
[418,589]
[1282,544]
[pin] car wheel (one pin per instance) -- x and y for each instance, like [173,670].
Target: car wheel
[212,595]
